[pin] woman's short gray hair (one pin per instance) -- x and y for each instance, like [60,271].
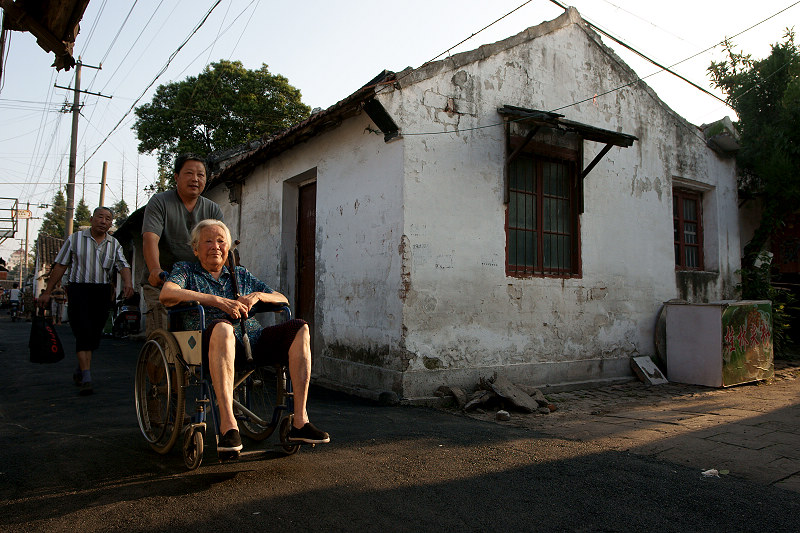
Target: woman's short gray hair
[203,224]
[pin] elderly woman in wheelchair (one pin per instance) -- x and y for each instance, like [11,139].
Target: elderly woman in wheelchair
[211,283]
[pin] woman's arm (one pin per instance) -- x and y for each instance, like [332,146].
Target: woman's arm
[249,300]
[172,294]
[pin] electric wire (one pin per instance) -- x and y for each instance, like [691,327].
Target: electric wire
[163,69]
[40,131]
[203,51]
[133,46]
[94,25]
[615,89]
[465,40]
[108,51]
[111,45]
[651,23]
[109,102]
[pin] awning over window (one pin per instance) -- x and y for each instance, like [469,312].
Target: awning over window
[533,120]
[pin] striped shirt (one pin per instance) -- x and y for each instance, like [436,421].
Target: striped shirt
[88,261]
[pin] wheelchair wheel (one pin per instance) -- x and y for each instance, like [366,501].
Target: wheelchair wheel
[286,426]
[254,402]
[159,391]
[192,447]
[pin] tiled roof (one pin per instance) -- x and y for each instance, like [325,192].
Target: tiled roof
[47,249]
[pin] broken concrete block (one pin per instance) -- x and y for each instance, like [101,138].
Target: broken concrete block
[503,416]
[458,394]
[508,391]
[540,399]
[647,371]
[481,397]
[534,393]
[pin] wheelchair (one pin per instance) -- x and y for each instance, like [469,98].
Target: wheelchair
[170,376]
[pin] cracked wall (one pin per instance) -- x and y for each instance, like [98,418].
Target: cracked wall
[461,310]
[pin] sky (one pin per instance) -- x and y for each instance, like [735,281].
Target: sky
[326,49]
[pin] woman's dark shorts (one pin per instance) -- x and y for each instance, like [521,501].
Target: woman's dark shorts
[272,347]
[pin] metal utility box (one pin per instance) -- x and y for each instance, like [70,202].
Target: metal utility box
[719,344]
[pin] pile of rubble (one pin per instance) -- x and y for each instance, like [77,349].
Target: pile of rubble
[498,393]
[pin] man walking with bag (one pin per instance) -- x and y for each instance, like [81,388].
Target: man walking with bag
[91,256]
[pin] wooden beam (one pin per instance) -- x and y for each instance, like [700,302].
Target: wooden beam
[596,160]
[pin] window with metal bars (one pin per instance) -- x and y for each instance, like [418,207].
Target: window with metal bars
[542,219]
[688,229]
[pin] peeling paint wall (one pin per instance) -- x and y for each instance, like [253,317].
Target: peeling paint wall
[411,286]
[359,222]
[463,316]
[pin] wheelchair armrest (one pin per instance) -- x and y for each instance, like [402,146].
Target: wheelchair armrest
[183,306]
[271,307]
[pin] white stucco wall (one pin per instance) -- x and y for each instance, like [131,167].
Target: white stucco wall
[463,316]
[358,311]
[411,285]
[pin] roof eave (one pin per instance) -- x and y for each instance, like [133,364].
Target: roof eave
[239,166]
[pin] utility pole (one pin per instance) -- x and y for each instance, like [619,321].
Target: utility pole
[73,151]
[136,205]
[27,232]
[103,185]
[73,145]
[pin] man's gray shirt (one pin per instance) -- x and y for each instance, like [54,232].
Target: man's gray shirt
[167,217]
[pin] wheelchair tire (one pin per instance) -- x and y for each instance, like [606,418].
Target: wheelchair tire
[257,394]
[159,391]
[192,447]
[286,426]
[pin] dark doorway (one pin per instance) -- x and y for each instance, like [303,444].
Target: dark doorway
[306,247]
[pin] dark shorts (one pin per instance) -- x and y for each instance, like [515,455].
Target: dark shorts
[272,347]
[89,305]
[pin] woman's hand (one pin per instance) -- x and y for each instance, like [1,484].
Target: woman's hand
[249,300]
[234,308]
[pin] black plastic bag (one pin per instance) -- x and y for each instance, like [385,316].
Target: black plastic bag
[44,344]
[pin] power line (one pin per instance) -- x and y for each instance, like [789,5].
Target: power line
[163,69]
[133,46]
[114,40]
[122,62]
[638,79]
[468,38]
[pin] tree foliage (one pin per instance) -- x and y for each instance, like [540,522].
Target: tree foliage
[224,106]
[120,211]
[81,216]
[54,220]
[766,96]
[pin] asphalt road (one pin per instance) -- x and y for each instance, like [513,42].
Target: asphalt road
[71,463]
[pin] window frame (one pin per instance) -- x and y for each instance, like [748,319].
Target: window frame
[539,154]
[679,195]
